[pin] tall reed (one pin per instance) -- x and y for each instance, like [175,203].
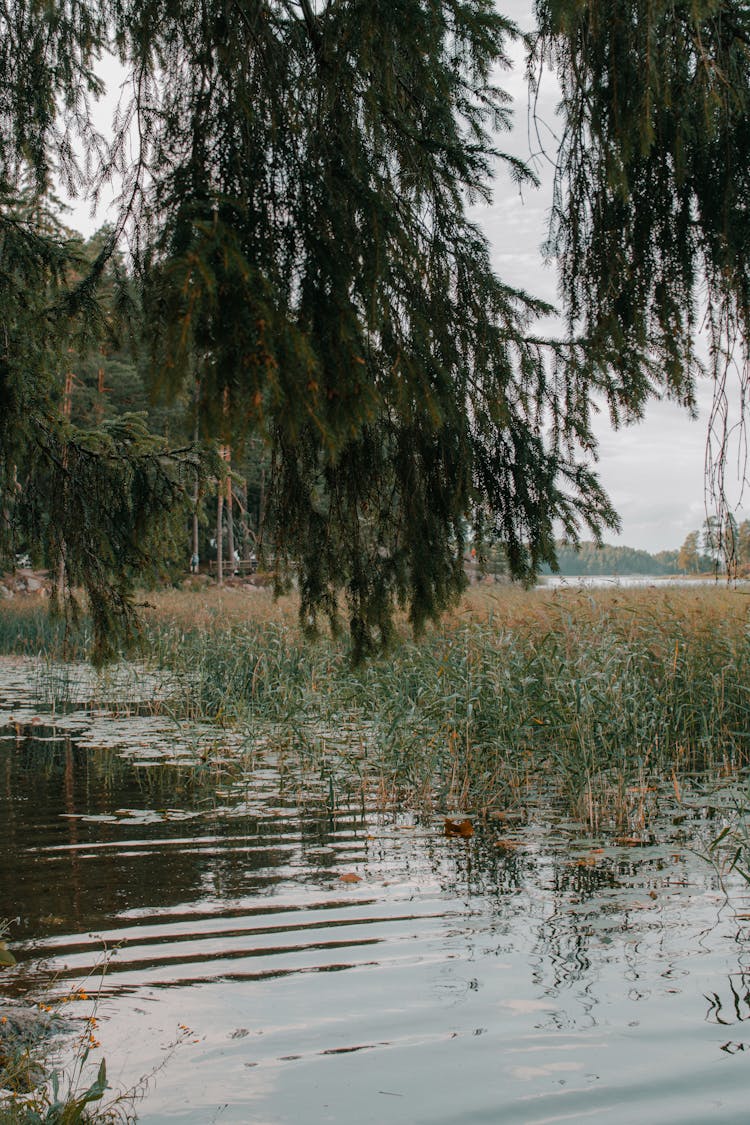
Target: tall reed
[591,694]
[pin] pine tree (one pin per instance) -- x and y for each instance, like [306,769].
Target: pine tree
[297,231]
[92,503]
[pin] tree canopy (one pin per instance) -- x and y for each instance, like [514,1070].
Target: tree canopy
[292,259]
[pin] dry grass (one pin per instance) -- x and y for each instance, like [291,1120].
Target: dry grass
[211,607]
[601,693]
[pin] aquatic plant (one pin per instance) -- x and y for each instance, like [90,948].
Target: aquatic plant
[596,696]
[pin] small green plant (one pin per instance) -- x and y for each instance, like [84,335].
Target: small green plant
[31,1095]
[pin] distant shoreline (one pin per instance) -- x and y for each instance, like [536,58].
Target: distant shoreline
[555,581]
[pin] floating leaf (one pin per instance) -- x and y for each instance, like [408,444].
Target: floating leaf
[350,877]
[458,827]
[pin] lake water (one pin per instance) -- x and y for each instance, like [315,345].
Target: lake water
[635,581]
[523,976]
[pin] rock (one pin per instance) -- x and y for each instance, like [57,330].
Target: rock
[24,581]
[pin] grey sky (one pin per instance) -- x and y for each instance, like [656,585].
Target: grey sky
[653,471]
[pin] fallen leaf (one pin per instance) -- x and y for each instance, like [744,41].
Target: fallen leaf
[350,877]
[630,842]
[458,827]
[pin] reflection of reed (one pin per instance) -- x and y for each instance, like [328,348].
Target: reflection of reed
[734,1008]
[219,873]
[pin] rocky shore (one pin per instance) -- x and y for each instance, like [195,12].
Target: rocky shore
[24,581]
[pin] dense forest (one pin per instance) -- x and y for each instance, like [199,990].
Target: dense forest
[590,559]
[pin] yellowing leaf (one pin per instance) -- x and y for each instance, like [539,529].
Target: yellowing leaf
[458,827]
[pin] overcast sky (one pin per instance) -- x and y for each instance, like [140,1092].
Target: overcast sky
[653,471]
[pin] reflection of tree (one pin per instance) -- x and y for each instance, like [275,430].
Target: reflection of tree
[154,849]
[581,910]
[63,871]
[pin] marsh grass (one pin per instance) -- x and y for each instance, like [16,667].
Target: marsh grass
[28,628]
[600,697]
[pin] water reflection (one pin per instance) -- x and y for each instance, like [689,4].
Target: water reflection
[527,974]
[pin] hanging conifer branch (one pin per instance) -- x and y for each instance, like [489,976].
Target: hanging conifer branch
[296,223]
[650,222]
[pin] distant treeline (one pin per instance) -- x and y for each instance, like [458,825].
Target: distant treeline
[714,546]
[588,559]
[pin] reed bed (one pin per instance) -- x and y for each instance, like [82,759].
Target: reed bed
[600,696]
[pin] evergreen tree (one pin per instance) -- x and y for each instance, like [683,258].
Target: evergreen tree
[297,228]
[650,220]
[92,503]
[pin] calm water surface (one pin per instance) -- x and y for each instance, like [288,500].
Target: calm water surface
[636,581]
[524,976]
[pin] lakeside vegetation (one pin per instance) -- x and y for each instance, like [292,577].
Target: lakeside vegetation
[606,704]
[589,559]
[594,695]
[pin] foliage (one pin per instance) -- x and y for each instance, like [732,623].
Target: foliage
[592,695]
[91,503]
[593,558]
[305,276]
[650,221]
[721,544]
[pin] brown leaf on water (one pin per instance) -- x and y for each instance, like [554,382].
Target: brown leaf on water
[630,842]
[350,877]
[507,845]
[591,859]
[458,827]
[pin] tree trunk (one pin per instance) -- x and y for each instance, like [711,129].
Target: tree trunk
[220,536]
[230,518]
[67,410]
[195,554]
